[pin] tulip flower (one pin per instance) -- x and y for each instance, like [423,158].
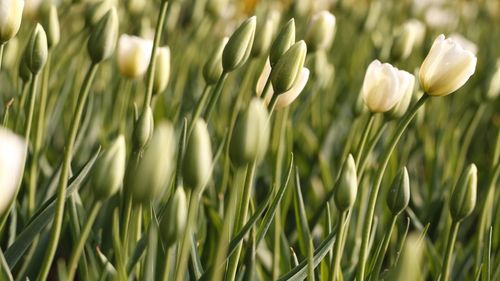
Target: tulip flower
[133,55]
[494,85]
[321,30]
[162,71]
[12,157]
[11,12]
[407,87]
[446,68]
[465,43]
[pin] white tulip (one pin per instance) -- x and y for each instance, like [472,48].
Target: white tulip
[383,86]
[465,43]
[31,8]
[134,54]
[320,32]
[11,12]
[162,71]
[446,68]
[407,84]
[261,82]
[12,158]
[417,28]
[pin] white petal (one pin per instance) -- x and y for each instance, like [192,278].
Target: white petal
[288,97]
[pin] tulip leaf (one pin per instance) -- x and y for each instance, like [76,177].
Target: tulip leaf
[4,269]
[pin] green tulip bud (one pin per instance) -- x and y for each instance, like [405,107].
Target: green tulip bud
[197,163]
[154,168]
[321,30]
[239,46]
[212,69]
[95,11]
[287,70]
[283,41]
[162,71]
[103,39]
[50,23]
[398,196]
[143,129]
[173,223]
[23,71]
[347,186]
[463,197]
[263,38]
[36,51]
[109,170]
[250,136]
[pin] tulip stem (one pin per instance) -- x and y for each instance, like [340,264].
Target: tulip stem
[199,105]
[266,91]
[364,138]
[214,95]
[2,46]
[337,251]
[385,245]
[446,266]
[168,265]
[21,104]
[63,179]
[152,60]
[405,121]
[77,250]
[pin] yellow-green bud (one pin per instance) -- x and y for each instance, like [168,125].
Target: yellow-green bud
[173,223]
[346,188]
[154,169]
[463,198]
[398,196]
[109,170]
[36,51]
[95,11]
[263,38]
[103,39]
[197,163]
[212,69]
[162,71]
[50,23]
[143,129]
[239,46]
[250,136]
[494,85]
[283,41]
[287,70]
[23,71]
[321,30]
[11,12]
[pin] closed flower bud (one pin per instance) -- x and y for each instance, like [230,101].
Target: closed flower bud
[494,86]
[359,107]
[401,106]
[321,31]
[36,51]
[13,155]
[263,38]
[446,68]
[162,71]
[154,169]
[250,136]
[398,196]
[197,163]
[287,70]
[283,41]
[463,197]
[11,53]
[109,170]
[103,38]
[173,223]
[51,25]
[32,9]
[96,10]
[403,43]
[384,86]
[286,98]
[212,69]
[347,185]
[11,13]
[133,55]
[143,129]
[239,46]
[23,71]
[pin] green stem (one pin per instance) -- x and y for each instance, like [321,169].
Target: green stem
[78,249]
[364,138]
[63,179]
[272,104]
[21,104]
[371,145]
[168,265]
[198,108]
[385,245]
[446,266]
[214,96]
[152,60]
[378,181]
[241,219]
[337,252]
[2,46]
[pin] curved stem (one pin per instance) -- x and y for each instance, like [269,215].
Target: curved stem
[385,245]
[446,266]
[337,252]
[78,249]
[378,181]
[364,138]
[183,254]
[214,96]
[63,179]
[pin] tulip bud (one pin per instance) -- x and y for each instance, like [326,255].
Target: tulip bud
[51,25]
[197,163]
[154,169]
[173,223]
[109,170]
[446,68]
[401,106]
[398,196]
[36,51]
[13,156]
[283,41]
[359,107]
[95,11]
[11,53]
[287,70]
[347,186]
[463,197]
[162,71]
[11,13]
[494,86]
[402,44]
[133,55]
[250,136]
[102,41]
[384,86]
[239,46]
[263,38]
[320,32]
[32,9]
[212,69]
[143,129]
[24,71]
[286,98]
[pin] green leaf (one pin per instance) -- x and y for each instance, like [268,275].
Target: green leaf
[4,269]
[303,232]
